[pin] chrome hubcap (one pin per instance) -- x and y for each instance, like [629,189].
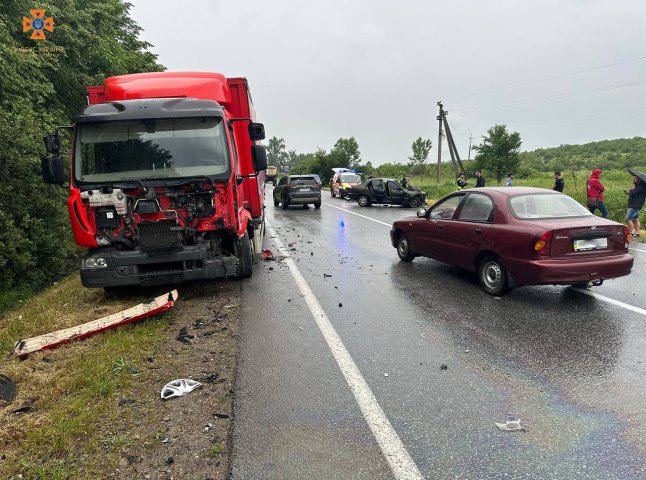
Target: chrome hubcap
[492,275]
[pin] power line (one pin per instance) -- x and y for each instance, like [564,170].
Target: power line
[581,120]
[547,79]
[551,97]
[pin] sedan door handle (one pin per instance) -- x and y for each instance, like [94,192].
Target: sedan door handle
[478,231]
[440,227]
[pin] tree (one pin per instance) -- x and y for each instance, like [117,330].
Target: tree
[276,154]
[39,90]
[346,153]
[499,151]
[421,148]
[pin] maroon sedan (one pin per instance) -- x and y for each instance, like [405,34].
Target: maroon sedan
[516,236]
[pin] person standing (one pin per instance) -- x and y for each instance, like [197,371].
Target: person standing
[480,180]
[405,183]
[461,182]
[636,198]
[510,180]
[595,191]
[559,183]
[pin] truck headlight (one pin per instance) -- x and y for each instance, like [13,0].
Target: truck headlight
[93,263]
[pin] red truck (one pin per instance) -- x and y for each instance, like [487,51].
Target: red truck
[167,179]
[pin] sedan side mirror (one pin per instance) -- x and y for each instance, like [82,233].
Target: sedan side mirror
[259,157]
[256,131]
[53,170]
[421,213]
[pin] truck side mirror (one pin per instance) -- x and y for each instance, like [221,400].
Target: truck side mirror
[52,143]
[259,157]
[256,131]
[53,170]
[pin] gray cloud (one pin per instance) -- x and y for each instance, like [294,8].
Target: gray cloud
[375,69]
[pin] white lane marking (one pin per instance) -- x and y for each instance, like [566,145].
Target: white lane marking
[637,249]
[612,301]
[398,458]
[357,214]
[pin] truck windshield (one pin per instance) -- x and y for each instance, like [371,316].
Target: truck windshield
[150,149]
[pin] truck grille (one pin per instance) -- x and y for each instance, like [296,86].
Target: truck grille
[159,236]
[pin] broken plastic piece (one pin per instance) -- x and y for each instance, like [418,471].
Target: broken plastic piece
[7,388]
[179,388]
[59,337]
[511,426]
[267,255]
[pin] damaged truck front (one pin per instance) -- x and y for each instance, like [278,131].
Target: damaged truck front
[166,179]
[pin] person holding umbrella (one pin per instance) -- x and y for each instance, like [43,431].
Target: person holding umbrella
[636,198]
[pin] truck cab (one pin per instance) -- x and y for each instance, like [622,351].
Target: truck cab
[167,179]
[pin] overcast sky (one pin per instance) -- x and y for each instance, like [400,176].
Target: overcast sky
[375,69]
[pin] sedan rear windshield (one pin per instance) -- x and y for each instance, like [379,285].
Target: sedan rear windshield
[546,205]
[302,181]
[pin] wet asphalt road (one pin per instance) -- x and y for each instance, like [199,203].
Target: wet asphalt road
[570,366]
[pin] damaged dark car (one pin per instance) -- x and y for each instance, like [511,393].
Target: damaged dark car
[386,191]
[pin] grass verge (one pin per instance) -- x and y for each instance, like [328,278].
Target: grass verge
[69,393]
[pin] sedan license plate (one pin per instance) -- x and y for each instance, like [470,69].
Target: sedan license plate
[590,244]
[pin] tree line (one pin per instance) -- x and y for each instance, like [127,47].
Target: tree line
[42,85]
[497,154]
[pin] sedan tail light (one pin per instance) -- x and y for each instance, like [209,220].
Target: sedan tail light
[543,243]
[627,235]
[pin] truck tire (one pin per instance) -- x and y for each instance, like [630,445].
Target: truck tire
[244,250]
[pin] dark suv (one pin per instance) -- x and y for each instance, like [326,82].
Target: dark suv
[298,190]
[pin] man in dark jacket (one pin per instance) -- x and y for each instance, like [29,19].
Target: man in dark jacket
[559,183]
[636,198]
[480,180]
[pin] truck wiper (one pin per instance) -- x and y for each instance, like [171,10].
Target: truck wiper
[194,179]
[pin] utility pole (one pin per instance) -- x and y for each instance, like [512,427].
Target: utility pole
[440,118]
[470,139]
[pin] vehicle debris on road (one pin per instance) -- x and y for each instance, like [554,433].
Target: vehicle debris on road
[267,255]
[512,426]
[179,388]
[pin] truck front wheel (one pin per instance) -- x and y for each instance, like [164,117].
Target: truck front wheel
[244,250]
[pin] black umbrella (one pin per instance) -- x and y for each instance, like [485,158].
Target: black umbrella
[637,173]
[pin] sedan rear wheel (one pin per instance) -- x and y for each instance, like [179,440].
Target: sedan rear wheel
[493,276]
[403,248]
[363,201]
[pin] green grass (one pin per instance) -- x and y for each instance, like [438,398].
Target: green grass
[73,430]
[215,450]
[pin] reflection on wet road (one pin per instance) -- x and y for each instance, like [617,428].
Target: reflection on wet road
[569,365]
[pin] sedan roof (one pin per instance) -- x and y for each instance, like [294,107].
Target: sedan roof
[512,191]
